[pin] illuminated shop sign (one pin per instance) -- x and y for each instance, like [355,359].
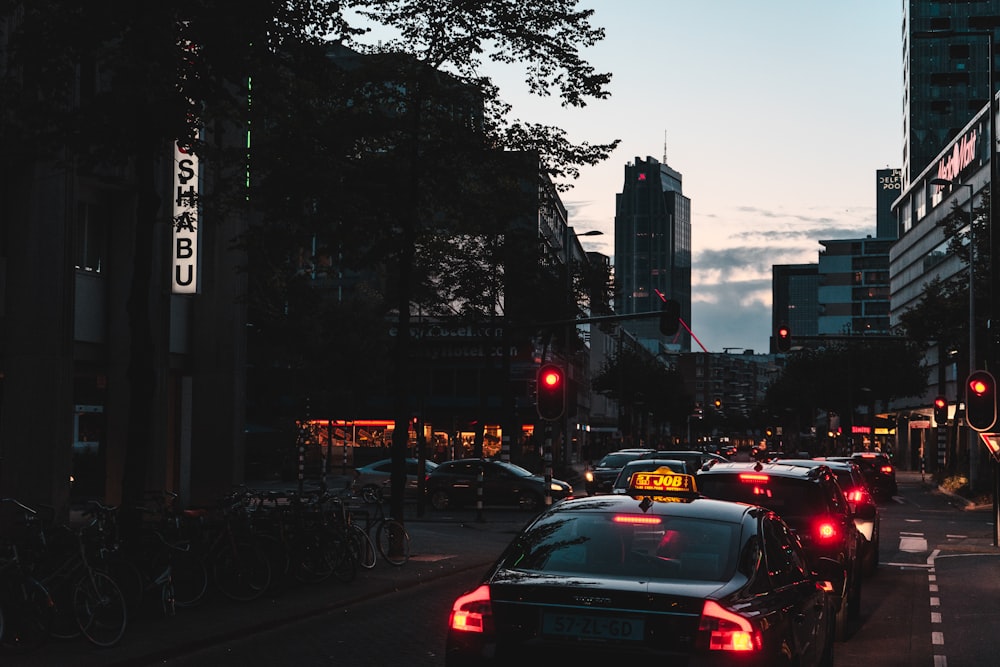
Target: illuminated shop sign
[963,153]
[184,243]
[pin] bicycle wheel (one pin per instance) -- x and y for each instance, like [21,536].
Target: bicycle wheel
[362,547]
[189,576]
[100,609]
[26,611]
[393,541]
[309,561]
[242,571]
[337,546]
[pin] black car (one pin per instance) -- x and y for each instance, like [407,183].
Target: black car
[456,483]
[811,501]
[656,576]
[877,469]
[601,476]
[867,517]
[695,459]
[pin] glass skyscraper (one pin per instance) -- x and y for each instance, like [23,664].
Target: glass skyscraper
[653,251]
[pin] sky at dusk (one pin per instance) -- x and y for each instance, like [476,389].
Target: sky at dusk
[776,113]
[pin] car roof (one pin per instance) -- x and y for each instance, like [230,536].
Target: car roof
[697,508]
[833,465]
[770,468]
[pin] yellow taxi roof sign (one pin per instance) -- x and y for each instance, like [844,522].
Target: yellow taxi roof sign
[662,483]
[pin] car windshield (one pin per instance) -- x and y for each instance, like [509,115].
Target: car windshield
[603,544]
[788,497]
[515,469]
[616,460]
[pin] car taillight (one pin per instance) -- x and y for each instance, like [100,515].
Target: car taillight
[472,612]
[855,495]
[726,630]
[886,470]
[826,531]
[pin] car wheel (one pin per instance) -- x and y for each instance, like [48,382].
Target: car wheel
[854,597]
[841,626]
[871,564]
[440,500]
[826,658]
[371,494]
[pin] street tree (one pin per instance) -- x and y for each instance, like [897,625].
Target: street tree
[438,164]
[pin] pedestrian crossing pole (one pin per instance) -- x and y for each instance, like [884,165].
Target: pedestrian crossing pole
[548,464]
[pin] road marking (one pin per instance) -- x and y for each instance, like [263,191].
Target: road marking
[935,617]
[937,638]
[912,544]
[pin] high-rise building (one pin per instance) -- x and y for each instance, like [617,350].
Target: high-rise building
[794,299]
[854,287]
[946,74]
[653,251]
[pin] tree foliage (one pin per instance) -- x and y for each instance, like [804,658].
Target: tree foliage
[640,383]
[840,377]
[941,316]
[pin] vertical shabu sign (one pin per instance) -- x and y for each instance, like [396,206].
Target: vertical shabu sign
[184,269]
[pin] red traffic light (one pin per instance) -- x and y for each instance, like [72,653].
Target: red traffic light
[941,410]
[783,338]
[981,401]
[551,378]
[551,392]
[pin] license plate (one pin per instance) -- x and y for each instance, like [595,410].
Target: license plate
[592,627]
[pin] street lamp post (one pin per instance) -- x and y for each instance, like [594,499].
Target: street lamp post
[973,437]
[568,247]
[944,182]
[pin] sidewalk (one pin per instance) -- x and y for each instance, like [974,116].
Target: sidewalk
[441,544]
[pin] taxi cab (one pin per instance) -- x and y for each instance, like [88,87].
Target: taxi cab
[657,573]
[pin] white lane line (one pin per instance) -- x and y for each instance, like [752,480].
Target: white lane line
[935,617]
[937,638]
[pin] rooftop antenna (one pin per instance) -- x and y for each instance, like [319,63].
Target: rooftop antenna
[664,147]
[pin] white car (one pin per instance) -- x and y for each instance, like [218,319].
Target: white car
[372,481]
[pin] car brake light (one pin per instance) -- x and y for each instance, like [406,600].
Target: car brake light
[855,496]
[826,531]
[637,519]
[886,470]
[726,630]
[753,477]
[472,612]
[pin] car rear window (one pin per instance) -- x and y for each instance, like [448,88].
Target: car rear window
[609,545]
[788,497]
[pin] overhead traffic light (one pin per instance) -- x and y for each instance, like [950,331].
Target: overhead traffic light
[783,338]
[670,317]
[981,401]
[940,410]
[551,392]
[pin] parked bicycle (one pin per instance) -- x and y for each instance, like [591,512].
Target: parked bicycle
[26,608]
[87,601]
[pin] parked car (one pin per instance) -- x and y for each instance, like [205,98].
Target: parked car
[372,481]
[655,576]
[867,517]
[602,475]
[811,501]
[455,484]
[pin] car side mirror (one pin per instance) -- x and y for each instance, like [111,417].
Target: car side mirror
[866,512]
[830,574]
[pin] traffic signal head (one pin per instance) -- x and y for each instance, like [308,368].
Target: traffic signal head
[783,338]
[670,317]
[551,392]
[981,401]
[940,410]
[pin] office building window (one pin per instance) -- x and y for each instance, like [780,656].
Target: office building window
[91,241]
